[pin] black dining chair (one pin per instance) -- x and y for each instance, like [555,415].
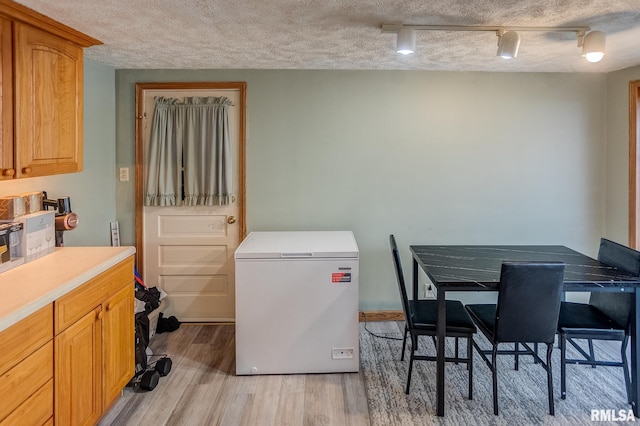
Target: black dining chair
[527,312]
[421,318]
[607,316]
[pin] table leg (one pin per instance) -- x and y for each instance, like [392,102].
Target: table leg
[415,279]
[440,363]
[635,352]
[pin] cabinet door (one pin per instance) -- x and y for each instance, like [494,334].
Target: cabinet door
[48,99]
[6,101]
[118,343]
[78,370]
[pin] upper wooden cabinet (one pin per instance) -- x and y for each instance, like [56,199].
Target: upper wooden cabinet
[6,100]
[48,100]
[42,94]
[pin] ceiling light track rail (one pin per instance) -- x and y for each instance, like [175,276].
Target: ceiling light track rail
[394,28]
[591,42]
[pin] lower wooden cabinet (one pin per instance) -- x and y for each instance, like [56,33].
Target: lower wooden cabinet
[118,359]
[26,370]
[68,362]
[78,371]
[35,410]
[23,380]
[94,353]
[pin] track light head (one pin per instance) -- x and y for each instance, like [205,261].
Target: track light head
[406,42]
[508,44]
[593,46]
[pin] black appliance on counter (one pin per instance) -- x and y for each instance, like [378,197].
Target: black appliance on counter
[65,219]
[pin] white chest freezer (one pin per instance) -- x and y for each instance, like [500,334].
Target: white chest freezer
[297,303]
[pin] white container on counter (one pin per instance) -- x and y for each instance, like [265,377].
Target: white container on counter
[38,234]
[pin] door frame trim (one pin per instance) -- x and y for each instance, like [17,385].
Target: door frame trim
[634,173]
[141,88]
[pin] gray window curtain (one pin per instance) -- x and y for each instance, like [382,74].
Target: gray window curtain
[190,157]
[164,170]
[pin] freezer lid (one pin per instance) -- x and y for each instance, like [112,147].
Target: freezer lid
[298,245]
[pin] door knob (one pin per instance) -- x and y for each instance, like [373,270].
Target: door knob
[231,220]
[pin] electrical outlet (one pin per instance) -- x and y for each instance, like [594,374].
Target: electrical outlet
[342,353]
[430,292]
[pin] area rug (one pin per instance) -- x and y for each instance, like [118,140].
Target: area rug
[522,394]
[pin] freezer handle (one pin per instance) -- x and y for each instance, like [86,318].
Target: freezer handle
[296,254]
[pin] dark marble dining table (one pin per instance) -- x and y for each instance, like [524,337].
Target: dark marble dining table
[477,268]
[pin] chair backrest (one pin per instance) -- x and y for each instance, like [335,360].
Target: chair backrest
[619,256]
[400,278]
[616,305]
[529,301]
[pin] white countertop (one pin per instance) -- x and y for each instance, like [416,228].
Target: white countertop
[29,287]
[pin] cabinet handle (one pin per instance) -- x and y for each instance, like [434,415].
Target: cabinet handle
[109,306]
[26,170]
[8,172]
[99,315]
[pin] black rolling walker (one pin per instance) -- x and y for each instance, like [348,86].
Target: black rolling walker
[147,373]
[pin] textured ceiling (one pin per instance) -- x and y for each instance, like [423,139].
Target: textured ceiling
[344,34]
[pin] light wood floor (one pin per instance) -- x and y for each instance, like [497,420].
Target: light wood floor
[202,389]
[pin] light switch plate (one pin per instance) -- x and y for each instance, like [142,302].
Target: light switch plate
[124,174]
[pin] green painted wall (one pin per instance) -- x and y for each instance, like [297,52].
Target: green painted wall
[433,157]
[93,190]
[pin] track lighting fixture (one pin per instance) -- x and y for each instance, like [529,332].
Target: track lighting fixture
[593,46]
[508,44]
[592,43]
[406,43]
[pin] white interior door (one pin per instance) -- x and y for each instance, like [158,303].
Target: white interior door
[188,251]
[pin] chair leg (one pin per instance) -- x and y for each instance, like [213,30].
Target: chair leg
[591,354]
[562,342]
[470,364]
[625,367]
[456,353]
[550,378]
[535,349]
[404,342]
[414,346]
[494,376]
[515,348]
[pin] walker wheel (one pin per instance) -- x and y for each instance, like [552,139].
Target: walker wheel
[163,366]
[149,380]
